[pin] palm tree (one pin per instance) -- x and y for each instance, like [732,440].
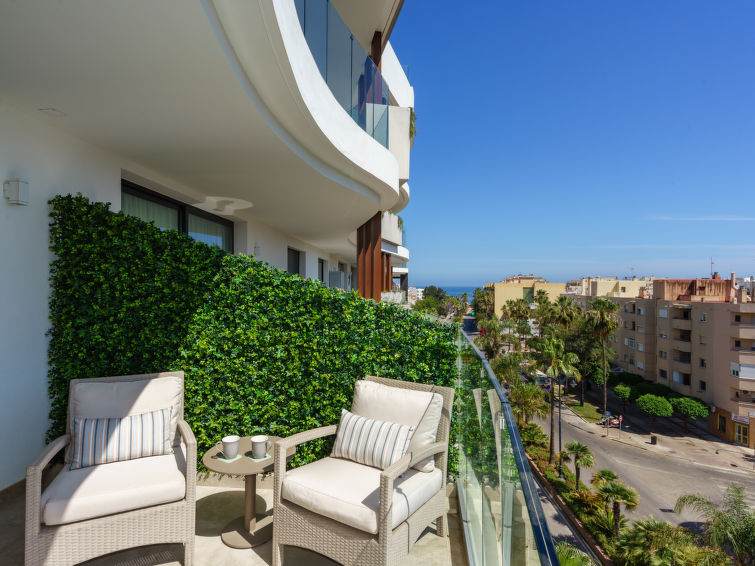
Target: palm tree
[603,323]
[556,362]
[533,435]
[493,339]
[569,555]
[544,314]
[582,456]
[520,312]
[527,401]
[483,303]
[657,543]
[508,334]
[508,368]
[602,520]
[730,527]
[541,297]
[616,493]
[603,476]
[565,311]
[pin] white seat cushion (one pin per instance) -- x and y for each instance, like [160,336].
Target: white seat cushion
[106,489]
[420,409]
[349,492]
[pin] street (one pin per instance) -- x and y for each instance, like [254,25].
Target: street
[659,479]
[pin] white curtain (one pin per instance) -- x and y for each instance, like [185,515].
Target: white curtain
[164,217]
[210,232]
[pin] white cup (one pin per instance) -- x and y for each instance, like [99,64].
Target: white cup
[260,445]
[230,446]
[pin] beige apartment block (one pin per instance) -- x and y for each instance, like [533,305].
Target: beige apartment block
[523,287]
[613,287]
[635,340]
[698,337]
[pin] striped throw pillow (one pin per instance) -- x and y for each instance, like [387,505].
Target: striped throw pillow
[369,441]
[105,440]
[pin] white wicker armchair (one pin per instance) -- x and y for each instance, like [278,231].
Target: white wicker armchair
[150,500]
[379,529]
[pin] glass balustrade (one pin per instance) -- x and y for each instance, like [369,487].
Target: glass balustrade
[503,519]
[349,72]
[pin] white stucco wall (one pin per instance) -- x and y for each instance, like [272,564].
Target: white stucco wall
[53,162]
[393,73]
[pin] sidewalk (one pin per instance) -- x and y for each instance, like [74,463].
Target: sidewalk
[698,445]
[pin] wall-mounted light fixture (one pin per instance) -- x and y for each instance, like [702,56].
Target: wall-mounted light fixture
[257,250]
[16,191]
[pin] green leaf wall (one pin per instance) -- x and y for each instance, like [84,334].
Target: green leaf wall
[263,351]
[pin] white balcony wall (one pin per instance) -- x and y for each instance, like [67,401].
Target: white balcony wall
[390,230]
[51,162]
[393,73]
[399,141]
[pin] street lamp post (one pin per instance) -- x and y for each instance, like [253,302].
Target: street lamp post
[560,458]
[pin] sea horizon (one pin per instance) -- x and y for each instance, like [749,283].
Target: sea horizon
[454,290]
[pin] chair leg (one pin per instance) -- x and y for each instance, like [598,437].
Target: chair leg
[277,554]
[441,526]
[189,553]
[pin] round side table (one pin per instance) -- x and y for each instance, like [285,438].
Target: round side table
[255,526]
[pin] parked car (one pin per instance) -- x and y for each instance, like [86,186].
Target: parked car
[610,420]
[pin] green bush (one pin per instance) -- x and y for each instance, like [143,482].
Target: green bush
[623,392]
[624,377]
[651,388]
[263,350]
[689,408]
[123,295]
[654,406]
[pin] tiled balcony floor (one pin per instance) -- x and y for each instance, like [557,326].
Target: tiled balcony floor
[217,504]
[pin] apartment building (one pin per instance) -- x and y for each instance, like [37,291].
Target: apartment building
[698,337]
[279,129]
[522,287]
[611,287]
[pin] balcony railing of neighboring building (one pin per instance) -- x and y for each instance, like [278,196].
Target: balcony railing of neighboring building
[351,75]
[503,520]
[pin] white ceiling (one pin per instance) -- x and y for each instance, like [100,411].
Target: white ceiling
[365,17]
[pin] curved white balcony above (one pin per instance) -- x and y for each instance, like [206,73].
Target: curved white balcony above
[399,254]
[201,101]
[398,83]
[265,45]
[403,200]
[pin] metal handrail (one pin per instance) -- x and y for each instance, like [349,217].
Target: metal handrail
[545,547]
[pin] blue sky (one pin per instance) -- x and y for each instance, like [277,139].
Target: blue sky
[580,138]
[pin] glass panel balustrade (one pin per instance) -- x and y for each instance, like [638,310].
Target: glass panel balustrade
[503,519]
[354,80]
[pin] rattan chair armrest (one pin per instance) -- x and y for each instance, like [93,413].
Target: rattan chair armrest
[306,436]
[427,451]
[397,468]
[34,483]
[186,433]
[48,452]
[284,444]
[387,477]
[191,458]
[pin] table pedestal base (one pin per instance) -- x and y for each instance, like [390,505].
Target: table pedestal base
[236,536]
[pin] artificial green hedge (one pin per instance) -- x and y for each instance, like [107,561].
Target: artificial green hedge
[262,350]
